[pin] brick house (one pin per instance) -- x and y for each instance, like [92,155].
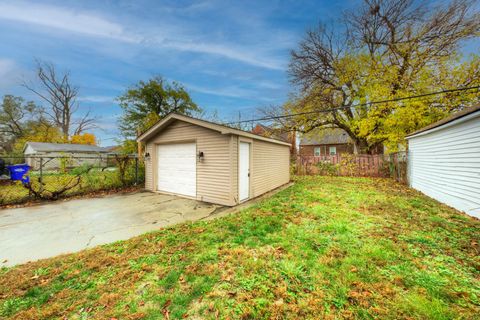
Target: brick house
[330,142]
[327,142]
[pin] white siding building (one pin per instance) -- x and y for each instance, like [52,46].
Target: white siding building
[56,155]
[444,161]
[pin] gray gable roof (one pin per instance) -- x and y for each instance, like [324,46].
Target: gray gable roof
[64,147]
[326,136]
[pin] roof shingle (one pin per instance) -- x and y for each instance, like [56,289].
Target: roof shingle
[64,147]
[327,136]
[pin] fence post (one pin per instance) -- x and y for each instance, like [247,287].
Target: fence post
[136,170]
[40,179]
[397,164]
[41,170]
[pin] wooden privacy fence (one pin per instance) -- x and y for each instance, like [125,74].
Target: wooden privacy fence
[392,165]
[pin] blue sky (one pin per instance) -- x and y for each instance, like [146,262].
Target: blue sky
[232,56]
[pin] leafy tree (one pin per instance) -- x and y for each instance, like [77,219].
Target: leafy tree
[41,131]
[22,121]
[16,116]
[15,113]
[129,146]
[86,138]
[147,102]
[385,49]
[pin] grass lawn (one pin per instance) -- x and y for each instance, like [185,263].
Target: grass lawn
[327,247]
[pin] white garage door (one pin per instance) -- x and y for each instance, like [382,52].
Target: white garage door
[177,168]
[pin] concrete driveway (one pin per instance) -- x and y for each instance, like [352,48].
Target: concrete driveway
[31,233]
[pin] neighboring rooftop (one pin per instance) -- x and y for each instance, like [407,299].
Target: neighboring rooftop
[326,136]
[63,147]
[453,117]
[270,132]
[113,149]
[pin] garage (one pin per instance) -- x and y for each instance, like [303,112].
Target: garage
[210,162]
[177,168]
[444,160]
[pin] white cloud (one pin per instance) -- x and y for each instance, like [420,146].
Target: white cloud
[269,84]
[10,74]
[246,77]
[226,51]
[6,66]
[96,98]
[230,91]
[64,19]
[94,25]
[226,91]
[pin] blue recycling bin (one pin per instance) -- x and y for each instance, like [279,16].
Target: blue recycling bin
[18,172]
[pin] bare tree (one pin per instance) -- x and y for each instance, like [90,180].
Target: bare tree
[61,97]
[280,125]
[413,34]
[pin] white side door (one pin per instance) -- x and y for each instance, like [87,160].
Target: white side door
[177,168]
[244,171]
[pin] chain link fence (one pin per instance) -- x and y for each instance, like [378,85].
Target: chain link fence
[27,178]
[392,165]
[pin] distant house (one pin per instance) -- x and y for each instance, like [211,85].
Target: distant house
[326,142]
[53,156]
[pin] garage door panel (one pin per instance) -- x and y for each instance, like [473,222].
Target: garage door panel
[178,165]
[176,168]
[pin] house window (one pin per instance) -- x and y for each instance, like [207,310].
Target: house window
[333,151]
[316,151]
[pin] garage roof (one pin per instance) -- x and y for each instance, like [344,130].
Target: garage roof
[156,128]
[451,118]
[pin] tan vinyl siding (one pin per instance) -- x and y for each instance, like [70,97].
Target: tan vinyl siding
[234,167]
[217,175]
[213,174]
[270,167]
[149,148]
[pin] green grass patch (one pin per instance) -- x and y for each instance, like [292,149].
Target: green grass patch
[327,247]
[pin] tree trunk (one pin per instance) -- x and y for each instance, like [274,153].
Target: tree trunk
[360,146]
[293,141]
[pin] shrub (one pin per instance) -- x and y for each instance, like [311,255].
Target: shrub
[349,165]
[326,168]
[83,169]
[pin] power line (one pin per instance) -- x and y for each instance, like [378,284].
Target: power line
[344,107]
[357,105]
